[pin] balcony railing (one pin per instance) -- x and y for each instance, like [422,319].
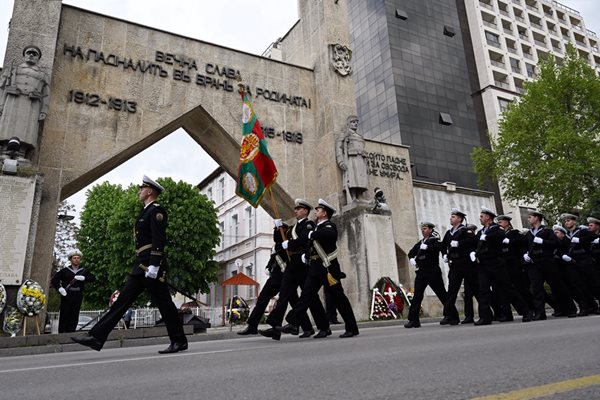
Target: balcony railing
[502,84]
[490,24]
[540,43]
[498,63]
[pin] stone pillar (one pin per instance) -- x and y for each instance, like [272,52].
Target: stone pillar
[36,22]
[367,253]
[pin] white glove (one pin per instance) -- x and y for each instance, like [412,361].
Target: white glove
[152,272]
[445,258]
[303,258]
[538,240]
[62,291]
[79,278]
[278,223]
[454,243]
[566,258]
[413,262]
[284,244]
[574,239]
[506,241]
[596,241]
[527,258]
[473,256]
[482,237]
[423,246]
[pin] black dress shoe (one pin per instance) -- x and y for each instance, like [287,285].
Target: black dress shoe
[449,321]
[572,314]
[348,334]
[506,318]
[266,332]
[467,320]
[306,334]
[273,333]
[322,333]
[175,347]
[412,324]
[248,331]
[89,341]
[527,317]
[481,322]
[539,317]
[289,329]
[334,322]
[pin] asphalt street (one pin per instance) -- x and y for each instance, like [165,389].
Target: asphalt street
[548,358]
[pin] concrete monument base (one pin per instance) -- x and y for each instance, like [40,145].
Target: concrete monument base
[368,242]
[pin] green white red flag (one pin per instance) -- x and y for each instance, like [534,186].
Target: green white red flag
[257,171]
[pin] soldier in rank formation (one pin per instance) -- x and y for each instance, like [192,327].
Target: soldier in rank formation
[505,268]
[307,254]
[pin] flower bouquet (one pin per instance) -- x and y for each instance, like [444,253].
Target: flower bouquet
[13,321]
[30,298]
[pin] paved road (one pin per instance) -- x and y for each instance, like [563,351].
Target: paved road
[432,362]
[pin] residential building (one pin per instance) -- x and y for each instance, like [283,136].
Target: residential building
[246,238]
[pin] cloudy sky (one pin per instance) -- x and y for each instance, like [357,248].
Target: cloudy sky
[248,25]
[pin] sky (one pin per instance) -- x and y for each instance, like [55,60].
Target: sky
[247,25]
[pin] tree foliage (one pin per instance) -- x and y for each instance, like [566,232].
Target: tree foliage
[65,236]
[106,237]
[547,151]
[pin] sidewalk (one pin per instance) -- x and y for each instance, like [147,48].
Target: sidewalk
[58,343]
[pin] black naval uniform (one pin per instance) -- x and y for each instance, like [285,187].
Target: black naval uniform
[428,274]
[71,303]
[461,268]
[584,264]
[544,267]
[294,277]
[492,273]
[512,253]
[276,267]
[150,240]
[325,234]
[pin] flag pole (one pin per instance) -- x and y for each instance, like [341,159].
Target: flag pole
[274,205]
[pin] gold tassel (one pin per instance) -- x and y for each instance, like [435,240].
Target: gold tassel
[330,279]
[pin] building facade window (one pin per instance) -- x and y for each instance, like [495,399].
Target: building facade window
[222,229]
[235,225]
[222,189]
[503,103]
[250,221]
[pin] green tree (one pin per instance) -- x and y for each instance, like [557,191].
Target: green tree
[547,151]
[106,237]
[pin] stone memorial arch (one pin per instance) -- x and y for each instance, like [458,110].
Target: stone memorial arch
[116,88]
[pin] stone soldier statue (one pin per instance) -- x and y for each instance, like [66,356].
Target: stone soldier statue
[351,156]
[23,101]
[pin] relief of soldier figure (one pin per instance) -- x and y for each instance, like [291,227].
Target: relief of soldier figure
[23,104]
[351,156]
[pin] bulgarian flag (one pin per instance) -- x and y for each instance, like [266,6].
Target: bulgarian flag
[257,171]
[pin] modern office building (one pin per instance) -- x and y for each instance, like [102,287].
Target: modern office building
[509,39]
[436,75]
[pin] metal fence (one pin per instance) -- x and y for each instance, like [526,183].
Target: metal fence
[140,318]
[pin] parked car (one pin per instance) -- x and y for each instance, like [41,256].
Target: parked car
[83,320]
